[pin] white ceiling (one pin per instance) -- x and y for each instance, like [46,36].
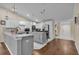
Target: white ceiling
[56,11]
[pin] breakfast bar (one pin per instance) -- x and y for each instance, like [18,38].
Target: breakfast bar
[19,44]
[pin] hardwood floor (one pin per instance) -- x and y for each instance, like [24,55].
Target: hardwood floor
[58,47]
[3,49]
[55,47]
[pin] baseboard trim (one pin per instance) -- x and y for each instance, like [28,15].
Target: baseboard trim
[8,48]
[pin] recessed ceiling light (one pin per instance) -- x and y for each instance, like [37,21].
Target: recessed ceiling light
[34,23]
[13,9]
[28,15]
[36,19]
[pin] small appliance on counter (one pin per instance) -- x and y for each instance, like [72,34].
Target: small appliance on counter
[27,30]
[21,27]
[33,28]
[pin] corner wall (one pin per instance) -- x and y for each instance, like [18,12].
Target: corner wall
[75,27]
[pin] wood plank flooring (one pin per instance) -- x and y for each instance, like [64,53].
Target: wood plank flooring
[3,49]
[58,47]
[55,47]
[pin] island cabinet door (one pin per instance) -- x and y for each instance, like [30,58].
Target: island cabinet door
[27,45]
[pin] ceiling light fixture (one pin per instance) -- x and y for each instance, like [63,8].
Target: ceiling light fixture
[28,15]
[43,11]
[34,23]
[13,8]
[42,14]
[37,20]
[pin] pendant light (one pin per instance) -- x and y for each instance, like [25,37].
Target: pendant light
[42,14]
[14,8]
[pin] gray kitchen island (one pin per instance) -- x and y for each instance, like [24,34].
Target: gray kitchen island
[19,44]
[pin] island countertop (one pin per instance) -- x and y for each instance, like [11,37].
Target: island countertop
[17,35]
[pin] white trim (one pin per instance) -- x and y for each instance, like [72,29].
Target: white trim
[8,49]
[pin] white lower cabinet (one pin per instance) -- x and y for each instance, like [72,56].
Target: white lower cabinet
[19,45]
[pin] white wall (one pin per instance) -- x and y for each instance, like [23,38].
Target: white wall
[75,33]
[76,9]
[65,32]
